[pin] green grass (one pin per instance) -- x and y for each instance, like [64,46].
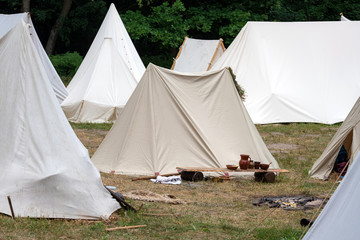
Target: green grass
[214,210]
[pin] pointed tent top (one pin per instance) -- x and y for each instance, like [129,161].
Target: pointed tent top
[111,28]
[42,179]
[9,21]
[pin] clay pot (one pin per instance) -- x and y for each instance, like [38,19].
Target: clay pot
[244,161]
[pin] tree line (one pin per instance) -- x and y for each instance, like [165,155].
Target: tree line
[158,28]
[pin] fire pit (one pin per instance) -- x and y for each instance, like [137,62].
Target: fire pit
[289,203]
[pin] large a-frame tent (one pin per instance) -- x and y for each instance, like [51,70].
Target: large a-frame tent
[46,171]
[296,71]
[8,22]
[107,76]
[197,55]
[340,217]
[348,135]
[174,120]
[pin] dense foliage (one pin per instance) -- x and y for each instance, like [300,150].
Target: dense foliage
[66,64]
[159,27]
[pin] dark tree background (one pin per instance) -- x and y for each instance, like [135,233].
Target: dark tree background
[158,28]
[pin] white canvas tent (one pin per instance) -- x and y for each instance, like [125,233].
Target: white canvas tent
[46,171]
[296,71]
[8,22]
[180,120]
[197,55]
[343,18]
[348,135]
[340,217]
[107,76]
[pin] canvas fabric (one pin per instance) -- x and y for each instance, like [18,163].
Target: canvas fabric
[174,120]
[46,170]
[9,21]
[339,218]
[197,55]
[348,135]
[107,76]
[296,71]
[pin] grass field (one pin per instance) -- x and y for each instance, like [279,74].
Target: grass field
[213,210]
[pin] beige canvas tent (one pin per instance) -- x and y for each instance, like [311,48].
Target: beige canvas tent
[45,169]
[107,77]
[347,135]
[180,120]
[196,55]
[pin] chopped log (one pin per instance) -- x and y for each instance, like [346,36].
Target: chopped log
[192,176]
[127,227]
[153,177]
[267,177]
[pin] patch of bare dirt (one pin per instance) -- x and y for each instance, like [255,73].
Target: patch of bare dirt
[91,138]
[277,134]
[282,146]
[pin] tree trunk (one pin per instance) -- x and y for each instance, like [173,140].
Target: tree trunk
[25,7]
[57,26]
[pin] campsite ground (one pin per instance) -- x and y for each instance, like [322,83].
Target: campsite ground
[213,210]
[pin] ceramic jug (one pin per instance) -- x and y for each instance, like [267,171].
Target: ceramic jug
[244,161]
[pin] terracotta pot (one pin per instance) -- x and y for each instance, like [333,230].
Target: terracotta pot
[244,161]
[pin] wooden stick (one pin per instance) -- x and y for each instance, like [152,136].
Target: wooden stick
[127,227]
[160,214]
[147,178]
[178,55]
[214,55]
[11,207]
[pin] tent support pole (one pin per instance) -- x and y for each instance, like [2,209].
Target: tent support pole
[212,59]
[178,55]
[11,207]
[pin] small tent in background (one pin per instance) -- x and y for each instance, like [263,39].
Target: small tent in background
[197,55]
[45,169]
[107,76]
[8,22]
[174,120]
[348,135]
[340,217]
[296,71]
[343,18]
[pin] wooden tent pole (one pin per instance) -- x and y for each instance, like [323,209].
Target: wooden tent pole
[213,57]
[178,55]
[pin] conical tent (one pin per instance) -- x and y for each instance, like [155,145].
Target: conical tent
[348,135]
[197,55]
[180,120]
[107,76]
[296,71]
[46,171]
[339,219]
[9,21]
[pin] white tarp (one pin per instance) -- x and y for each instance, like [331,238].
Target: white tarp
[197,55]
[348,135]
[339,219]
[107,76]
[46,170]
[174,120]
[9,21]
[297,71]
